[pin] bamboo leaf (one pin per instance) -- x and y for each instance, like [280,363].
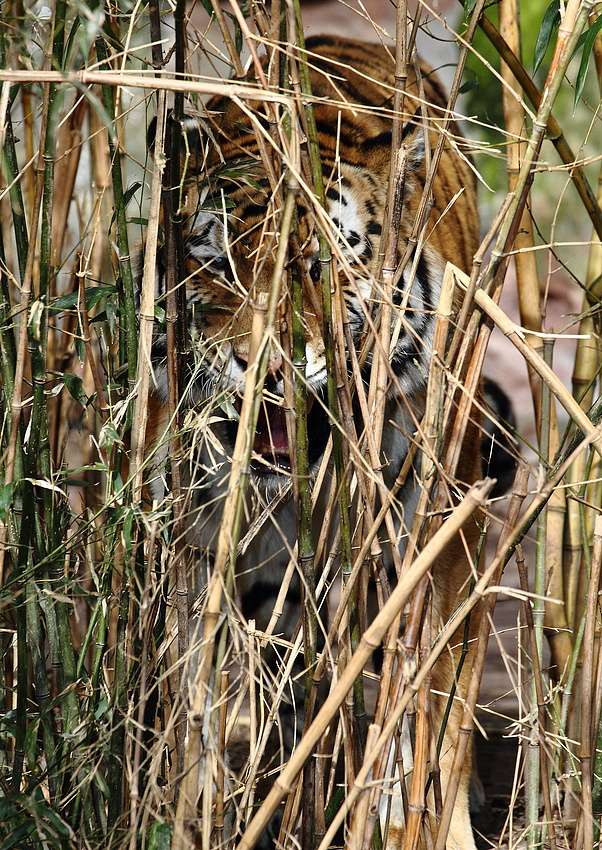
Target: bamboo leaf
[16,835]
[70,301]
[550,23]
[588,45]
[46,485]
[159,837]
[469,85]
[75,385]
[6,500]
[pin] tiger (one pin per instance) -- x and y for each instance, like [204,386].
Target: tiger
[231,218]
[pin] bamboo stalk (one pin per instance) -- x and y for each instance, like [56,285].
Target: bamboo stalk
[138,725]
[543,774]
[589,723]
[524,259]
[481,641]
[328,276]
[575,18]
[356,833]
[417,802]
[221,758]
[585,373]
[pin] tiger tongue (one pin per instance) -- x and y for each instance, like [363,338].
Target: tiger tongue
[272,436]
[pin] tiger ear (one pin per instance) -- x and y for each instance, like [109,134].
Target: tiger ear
[412,139]
[193,151]
[190,130]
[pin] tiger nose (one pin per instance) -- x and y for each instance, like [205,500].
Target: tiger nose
[274,363]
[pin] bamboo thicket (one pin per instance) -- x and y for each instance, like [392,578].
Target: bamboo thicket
[137,706]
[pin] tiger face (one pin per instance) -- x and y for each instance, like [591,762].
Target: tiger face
[232,212]
[230,261]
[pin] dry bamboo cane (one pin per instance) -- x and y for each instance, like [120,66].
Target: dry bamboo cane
[481,641]
[157,82]
[585,817]
[417,802]
[585,371]
[536,769]
[369,642]
[356,839]
[535,651]
[389,687]
[147,310]
[518,530]
[226,35]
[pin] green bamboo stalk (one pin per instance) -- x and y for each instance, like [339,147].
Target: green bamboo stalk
[305,545]
[176,334]
[302,474]
[125,268]
[534,741]
[11,164]
[115,766]
[119,696]
[589,724]
[13,360]
[332,367]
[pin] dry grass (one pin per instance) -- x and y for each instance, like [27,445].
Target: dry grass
[128,720]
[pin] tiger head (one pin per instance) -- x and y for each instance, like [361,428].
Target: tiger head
[232,206]
[231,237]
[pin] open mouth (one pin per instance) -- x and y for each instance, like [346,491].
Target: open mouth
[271,446]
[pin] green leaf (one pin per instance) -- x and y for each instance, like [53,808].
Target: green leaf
[75,385]
[6,500]
[101,782]
[17,835]
[127,197]
[159,837]
[469,85]
[588,44]
[131,191]
[127,531]
[550,23]
[94,294]
[80,348]
[50,817]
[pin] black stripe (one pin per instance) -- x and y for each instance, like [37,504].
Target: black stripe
[382,140]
